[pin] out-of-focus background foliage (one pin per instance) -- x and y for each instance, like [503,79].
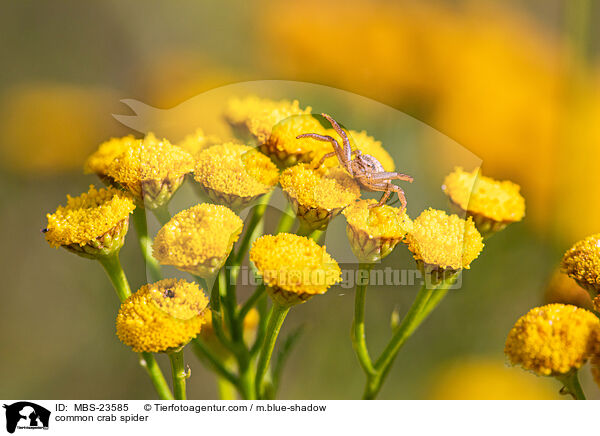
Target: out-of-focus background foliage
[515,82]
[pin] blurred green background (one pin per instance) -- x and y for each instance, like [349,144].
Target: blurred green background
[515,83]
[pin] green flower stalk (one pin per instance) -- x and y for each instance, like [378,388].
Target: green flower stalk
[294,269]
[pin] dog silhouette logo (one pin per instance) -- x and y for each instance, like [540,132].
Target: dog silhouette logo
[26,415]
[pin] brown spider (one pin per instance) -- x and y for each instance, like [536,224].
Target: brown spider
[365,169]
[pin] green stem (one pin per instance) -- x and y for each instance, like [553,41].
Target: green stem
[261,331]
[250,232]
[402,333]
[162,214]
[286,222]
[304,230]
[179,374]
[119,280]
[203,353]
[227,391]
[150,364]
[359,341]
[141,226]
[276,318]
[247,387]
[571,385]
[251,301]
[115,272]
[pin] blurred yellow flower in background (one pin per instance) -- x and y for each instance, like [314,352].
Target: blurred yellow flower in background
[488,379]
[485,74]
[49,128]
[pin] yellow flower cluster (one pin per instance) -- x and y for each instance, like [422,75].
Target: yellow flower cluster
[582,263]
[444,241]
[151,170]
[257,116]
[162,316]
[373,232]
[199,239]
[294,267]
[553,339]
[283,146]
[100,160]
[485,198]
[89,217]
[318,195]
[195,142]
[235,174]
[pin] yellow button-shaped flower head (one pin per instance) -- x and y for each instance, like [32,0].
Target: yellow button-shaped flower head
[151,170]
[318,195]
[553,339]
[254,118]
[93,224]
[234,175]
[286,149]
[99,161]
[358,141]
[582,263]
[443,244]
[162,316]
[199,239]
[492,204]
[294,268]
[374,232]
[195,142]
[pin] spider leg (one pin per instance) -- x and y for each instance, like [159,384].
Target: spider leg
[347,148]
[389,188]
[325,157]
[338,150]
[392,176]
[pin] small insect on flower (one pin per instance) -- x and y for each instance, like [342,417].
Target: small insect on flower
[366,169]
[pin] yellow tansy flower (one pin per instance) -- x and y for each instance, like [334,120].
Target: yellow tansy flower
[443,244]
[492,204]
[582,263]
[294,268]
[199,239]
[317,196]
[374,232]
[285,149]
[100,160]
[162,316]
[553,339]
[93,224]
[151,170]
[257,116]
[195,142]
[234,174]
